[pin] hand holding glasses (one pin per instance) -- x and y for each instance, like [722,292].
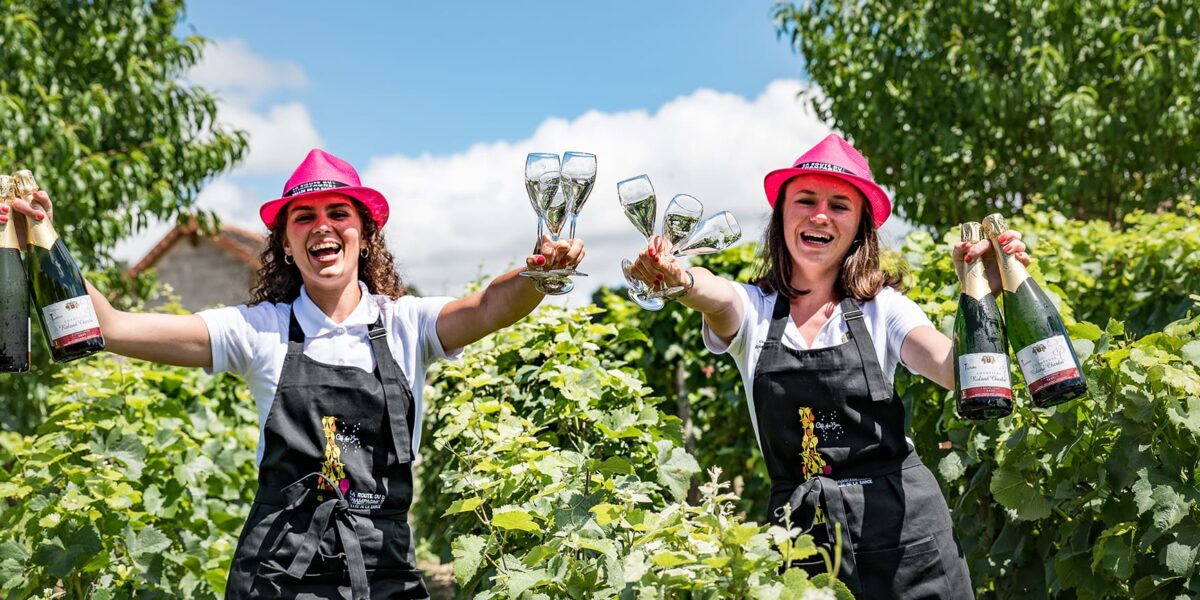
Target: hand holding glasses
[682,227]
[557,190]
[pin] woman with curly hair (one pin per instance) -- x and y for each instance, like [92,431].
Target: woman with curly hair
[335,354]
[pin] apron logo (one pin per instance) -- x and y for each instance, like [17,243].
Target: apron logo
[333,468]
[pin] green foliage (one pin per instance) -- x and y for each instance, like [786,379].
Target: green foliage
[551,474]
[702,389]
[1097,498]
[94,103]
[136,484]
[968,107]
[1141,274]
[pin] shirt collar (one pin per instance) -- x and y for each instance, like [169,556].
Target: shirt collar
[315,323]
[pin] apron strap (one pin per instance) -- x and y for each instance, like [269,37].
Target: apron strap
[780,316]
[876,382]
[395,392]
[347,532]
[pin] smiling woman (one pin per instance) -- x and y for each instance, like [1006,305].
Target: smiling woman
[817,338]
[329,346]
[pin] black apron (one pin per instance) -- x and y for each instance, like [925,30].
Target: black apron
[330,519]
[832,433]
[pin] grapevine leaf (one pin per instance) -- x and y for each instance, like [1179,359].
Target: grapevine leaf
[675,469]
[465,505]
[1180,558]
[1170,507]
[468,554]
[513,518]
[951,467]
[1012,491]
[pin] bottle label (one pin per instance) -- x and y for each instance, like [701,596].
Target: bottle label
[71,321]
[984,374]
[1047,362]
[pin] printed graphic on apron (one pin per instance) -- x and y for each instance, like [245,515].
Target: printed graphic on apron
[814,463]
[333,468]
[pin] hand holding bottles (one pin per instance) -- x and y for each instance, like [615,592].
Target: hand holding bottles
[966,254]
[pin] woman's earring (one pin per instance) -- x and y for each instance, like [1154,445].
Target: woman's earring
[287,259]
[365,252]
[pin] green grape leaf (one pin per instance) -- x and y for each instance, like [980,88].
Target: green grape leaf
[675,469]
[1014,492]
[514,518]
[468,553]
[951,467]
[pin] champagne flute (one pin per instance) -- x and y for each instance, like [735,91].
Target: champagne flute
[578,177]
[543,179]
[640,205]
[712,235]
[537,164]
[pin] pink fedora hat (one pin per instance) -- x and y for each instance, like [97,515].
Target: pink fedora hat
[834,156]
[322,172]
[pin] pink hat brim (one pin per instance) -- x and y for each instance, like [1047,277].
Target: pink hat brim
[376,204]
[881,205]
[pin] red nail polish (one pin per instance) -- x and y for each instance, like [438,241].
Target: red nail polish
[541,260]
[41,215]
[967,259]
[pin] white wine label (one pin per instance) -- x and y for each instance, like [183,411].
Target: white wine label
[1047,362]
[984,374]
[71,321]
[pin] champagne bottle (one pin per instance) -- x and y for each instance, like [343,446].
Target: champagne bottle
[1035,330]
[982,376]
[64,309]
[14,291]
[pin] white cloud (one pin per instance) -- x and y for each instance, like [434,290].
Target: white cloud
[231,68]
[279,138]
[455,215]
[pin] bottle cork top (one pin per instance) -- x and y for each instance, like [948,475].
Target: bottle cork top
[971,231]
[24,182]
[994,225]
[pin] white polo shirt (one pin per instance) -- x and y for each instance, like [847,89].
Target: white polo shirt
[889,317]
[252,341]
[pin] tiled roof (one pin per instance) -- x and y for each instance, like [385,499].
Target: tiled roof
[242,244]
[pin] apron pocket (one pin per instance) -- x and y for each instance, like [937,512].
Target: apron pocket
[909,572]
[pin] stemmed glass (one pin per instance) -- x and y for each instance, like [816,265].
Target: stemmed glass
[543,179]
[578,177]
[640,205]
[712,235]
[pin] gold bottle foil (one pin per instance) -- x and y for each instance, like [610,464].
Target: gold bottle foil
[1012,272]
[974,277]
[8,231]
[40,233]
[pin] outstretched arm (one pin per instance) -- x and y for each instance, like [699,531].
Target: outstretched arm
[171,339]
[505,300]
[712,295]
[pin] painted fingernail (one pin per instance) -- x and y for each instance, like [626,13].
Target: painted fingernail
[967,259]
[651,253]
[41,215]
[539,259]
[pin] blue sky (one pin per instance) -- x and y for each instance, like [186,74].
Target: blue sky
[437,105]
[437,77]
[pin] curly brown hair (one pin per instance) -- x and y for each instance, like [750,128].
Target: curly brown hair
[860,276]
[278,281]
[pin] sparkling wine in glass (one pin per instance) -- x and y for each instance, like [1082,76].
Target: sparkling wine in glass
[639,203]
[713,234]
[543,178]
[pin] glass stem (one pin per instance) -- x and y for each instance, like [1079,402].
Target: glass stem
[573,219]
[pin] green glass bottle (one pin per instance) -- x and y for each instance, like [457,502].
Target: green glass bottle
[14,292]
[1035,330]
[67,316]
[982,376]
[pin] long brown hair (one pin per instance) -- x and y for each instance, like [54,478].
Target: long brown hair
[859,277]
[280,282]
